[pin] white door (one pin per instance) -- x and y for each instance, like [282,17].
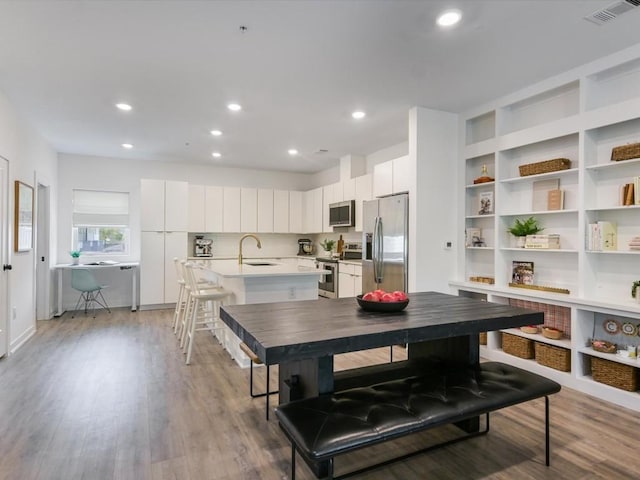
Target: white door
[175,246]
[151,268]
[43,275]
[4,255]
[152,205]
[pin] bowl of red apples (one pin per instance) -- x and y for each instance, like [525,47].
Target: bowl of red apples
[381,301]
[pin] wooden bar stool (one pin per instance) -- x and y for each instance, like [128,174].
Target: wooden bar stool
[183,295]
[203,309]
[254,359]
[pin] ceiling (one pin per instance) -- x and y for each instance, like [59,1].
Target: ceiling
[299,69]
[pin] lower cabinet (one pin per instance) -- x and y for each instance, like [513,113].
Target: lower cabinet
[349,280]
[158,277]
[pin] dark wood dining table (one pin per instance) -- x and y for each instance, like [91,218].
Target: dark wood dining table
[302,337]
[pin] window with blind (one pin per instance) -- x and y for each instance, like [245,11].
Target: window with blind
[100,222]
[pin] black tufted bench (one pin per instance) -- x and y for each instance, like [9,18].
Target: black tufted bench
[324,427]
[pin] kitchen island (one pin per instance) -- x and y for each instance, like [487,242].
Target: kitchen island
[259,281]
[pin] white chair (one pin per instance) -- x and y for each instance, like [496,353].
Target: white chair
[82,280]
[203,309]
[183,296]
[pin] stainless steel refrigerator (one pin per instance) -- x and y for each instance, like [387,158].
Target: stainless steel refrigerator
[385,243]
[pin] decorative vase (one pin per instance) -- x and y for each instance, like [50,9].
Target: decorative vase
[75,260]
[520,242]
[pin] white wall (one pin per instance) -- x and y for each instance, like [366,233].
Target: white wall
[31,159]
[433,153]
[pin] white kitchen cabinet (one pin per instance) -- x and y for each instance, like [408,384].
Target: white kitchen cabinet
[327,199]
[349,189]
[175,246]
[231,213]
[152,205]
[197,207]
[383,179]
[280,211]
[163,205]
[402,174]
[265,210]
[158,278]
[214,209]
[248,209]
[176,206]
[296,209]
[363,187]
[313,209]
[152,268]
[306,262]
[349,280]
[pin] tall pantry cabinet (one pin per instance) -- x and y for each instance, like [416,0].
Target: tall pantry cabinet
[164,236]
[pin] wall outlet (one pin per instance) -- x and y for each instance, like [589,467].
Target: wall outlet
[292,293]
[448,245]
[14,313]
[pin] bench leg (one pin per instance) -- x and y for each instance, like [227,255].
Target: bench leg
[265,394]
[546,429]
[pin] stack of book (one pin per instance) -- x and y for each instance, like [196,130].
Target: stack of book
[602,236]
[634,243]
[631,192]
[543,241]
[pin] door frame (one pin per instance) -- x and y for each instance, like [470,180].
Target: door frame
[42,277]
[5,253]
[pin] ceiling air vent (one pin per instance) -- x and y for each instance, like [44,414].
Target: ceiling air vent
[614,10]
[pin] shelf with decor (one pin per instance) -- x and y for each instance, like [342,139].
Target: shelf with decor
[561,151]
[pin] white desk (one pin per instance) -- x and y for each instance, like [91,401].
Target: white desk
[133,266]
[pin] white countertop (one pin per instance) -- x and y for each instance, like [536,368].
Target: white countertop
[231,268]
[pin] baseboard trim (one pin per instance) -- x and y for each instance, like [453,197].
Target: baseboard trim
[22,339]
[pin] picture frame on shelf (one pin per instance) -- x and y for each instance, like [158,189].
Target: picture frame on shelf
[522,273]
[485,203]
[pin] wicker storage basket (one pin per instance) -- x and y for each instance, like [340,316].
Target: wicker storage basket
[483,338]
[625,152]
[517,346]
[547,166]
[554,357]
[615,374]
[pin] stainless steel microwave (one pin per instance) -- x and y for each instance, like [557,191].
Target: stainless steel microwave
[342,214]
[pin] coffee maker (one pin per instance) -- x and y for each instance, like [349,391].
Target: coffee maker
[305,246]
[202,247]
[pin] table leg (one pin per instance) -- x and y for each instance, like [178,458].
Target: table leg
[313,376]
[455,351]
[59,294]
[134,286]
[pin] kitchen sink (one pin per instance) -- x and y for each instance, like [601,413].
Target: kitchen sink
[259,264]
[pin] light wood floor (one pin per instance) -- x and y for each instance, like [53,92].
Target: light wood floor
[111,398]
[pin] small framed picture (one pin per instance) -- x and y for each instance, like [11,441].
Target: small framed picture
[23,228]
[486,203]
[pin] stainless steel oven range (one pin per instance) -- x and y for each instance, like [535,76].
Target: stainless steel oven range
[328,285]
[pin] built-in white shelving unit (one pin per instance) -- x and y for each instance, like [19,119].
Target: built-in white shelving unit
[580,115]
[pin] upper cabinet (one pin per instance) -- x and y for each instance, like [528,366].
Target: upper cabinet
[231,213]
[249,210]
[296,209]
[280,211]
[265,210]
[163,205]
[197,205]
[393,176]
[363,193]
[214,209]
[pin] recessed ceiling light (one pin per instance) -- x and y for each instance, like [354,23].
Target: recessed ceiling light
[292,151]
[449,18]
[234,107]
[124,106]
[358,114]
[216,133]
[127,146]
[216,154]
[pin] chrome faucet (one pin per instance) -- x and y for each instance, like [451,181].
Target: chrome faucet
[240,245]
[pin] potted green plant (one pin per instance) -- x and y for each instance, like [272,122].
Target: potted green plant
[327,245]
[520,229]
[75,256]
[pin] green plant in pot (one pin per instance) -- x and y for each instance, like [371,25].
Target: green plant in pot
[327,245]
[75,256]
[521,229]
